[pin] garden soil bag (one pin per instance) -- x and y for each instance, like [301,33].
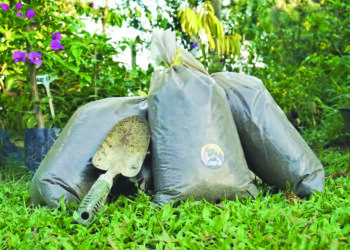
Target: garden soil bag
[274,150]
[37,143]
[67,172]
[195,146]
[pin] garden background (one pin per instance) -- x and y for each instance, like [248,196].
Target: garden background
[299,49]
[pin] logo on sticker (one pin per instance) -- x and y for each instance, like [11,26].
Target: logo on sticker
[212,156]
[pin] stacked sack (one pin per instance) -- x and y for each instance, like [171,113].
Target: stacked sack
[274,149]
[196,148]
[189,118]
[67,173]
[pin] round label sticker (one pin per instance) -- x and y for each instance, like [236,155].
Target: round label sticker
[212,156]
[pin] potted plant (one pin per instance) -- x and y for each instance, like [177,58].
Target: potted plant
[25,45]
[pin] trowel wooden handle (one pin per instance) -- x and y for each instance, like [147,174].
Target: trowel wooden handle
[94,200]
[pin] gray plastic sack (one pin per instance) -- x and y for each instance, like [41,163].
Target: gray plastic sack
[37,143]
[274,150]
[67,170]
[195,146]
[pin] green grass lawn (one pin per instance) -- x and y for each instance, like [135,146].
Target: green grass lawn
[270,221]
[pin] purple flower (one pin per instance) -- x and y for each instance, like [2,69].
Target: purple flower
[19,56]
[4,6]
[19,14]
[30,13]
[55,36]
[18,6]
[56,44]
[35,57]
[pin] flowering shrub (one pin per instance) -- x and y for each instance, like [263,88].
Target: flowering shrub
[34,56]
[25,51]
[56,42]
[4,6]
[26,39]
[19,56]
[85,64]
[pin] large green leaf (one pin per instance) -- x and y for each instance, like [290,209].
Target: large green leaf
[67,65]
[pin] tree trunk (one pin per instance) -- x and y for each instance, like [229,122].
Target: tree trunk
[104,18]
[133,55]
[19,121]
[2,85]
[35,93]
[95,73]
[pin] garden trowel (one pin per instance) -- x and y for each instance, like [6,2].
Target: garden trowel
[122,152]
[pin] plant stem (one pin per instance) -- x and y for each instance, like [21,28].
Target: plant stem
[104,18]
[95,73]
[133,54]
[19,121]
[34,88]
[1,73]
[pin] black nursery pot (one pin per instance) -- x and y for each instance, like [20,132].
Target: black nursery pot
[345,112]
[38,142]
[10,154]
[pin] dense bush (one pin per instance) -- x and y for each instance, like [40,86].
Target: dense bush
[85,65]
[305,48]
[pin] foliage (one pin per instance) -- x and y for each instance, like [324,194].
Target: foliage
[335,160]
[300,50]
[98,74]
[304,46]
[87,69]
[272,220]
[17,36]
[86,8]
[204,25]
[329,132]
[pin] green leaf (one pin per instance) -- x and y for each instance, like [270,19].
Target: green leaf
[64,63]
[76,51]
[31,122]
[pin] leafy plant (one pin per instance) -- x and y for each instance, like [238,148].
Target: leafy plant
[303,55]
[87,69]
[205,25]
[32,39]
